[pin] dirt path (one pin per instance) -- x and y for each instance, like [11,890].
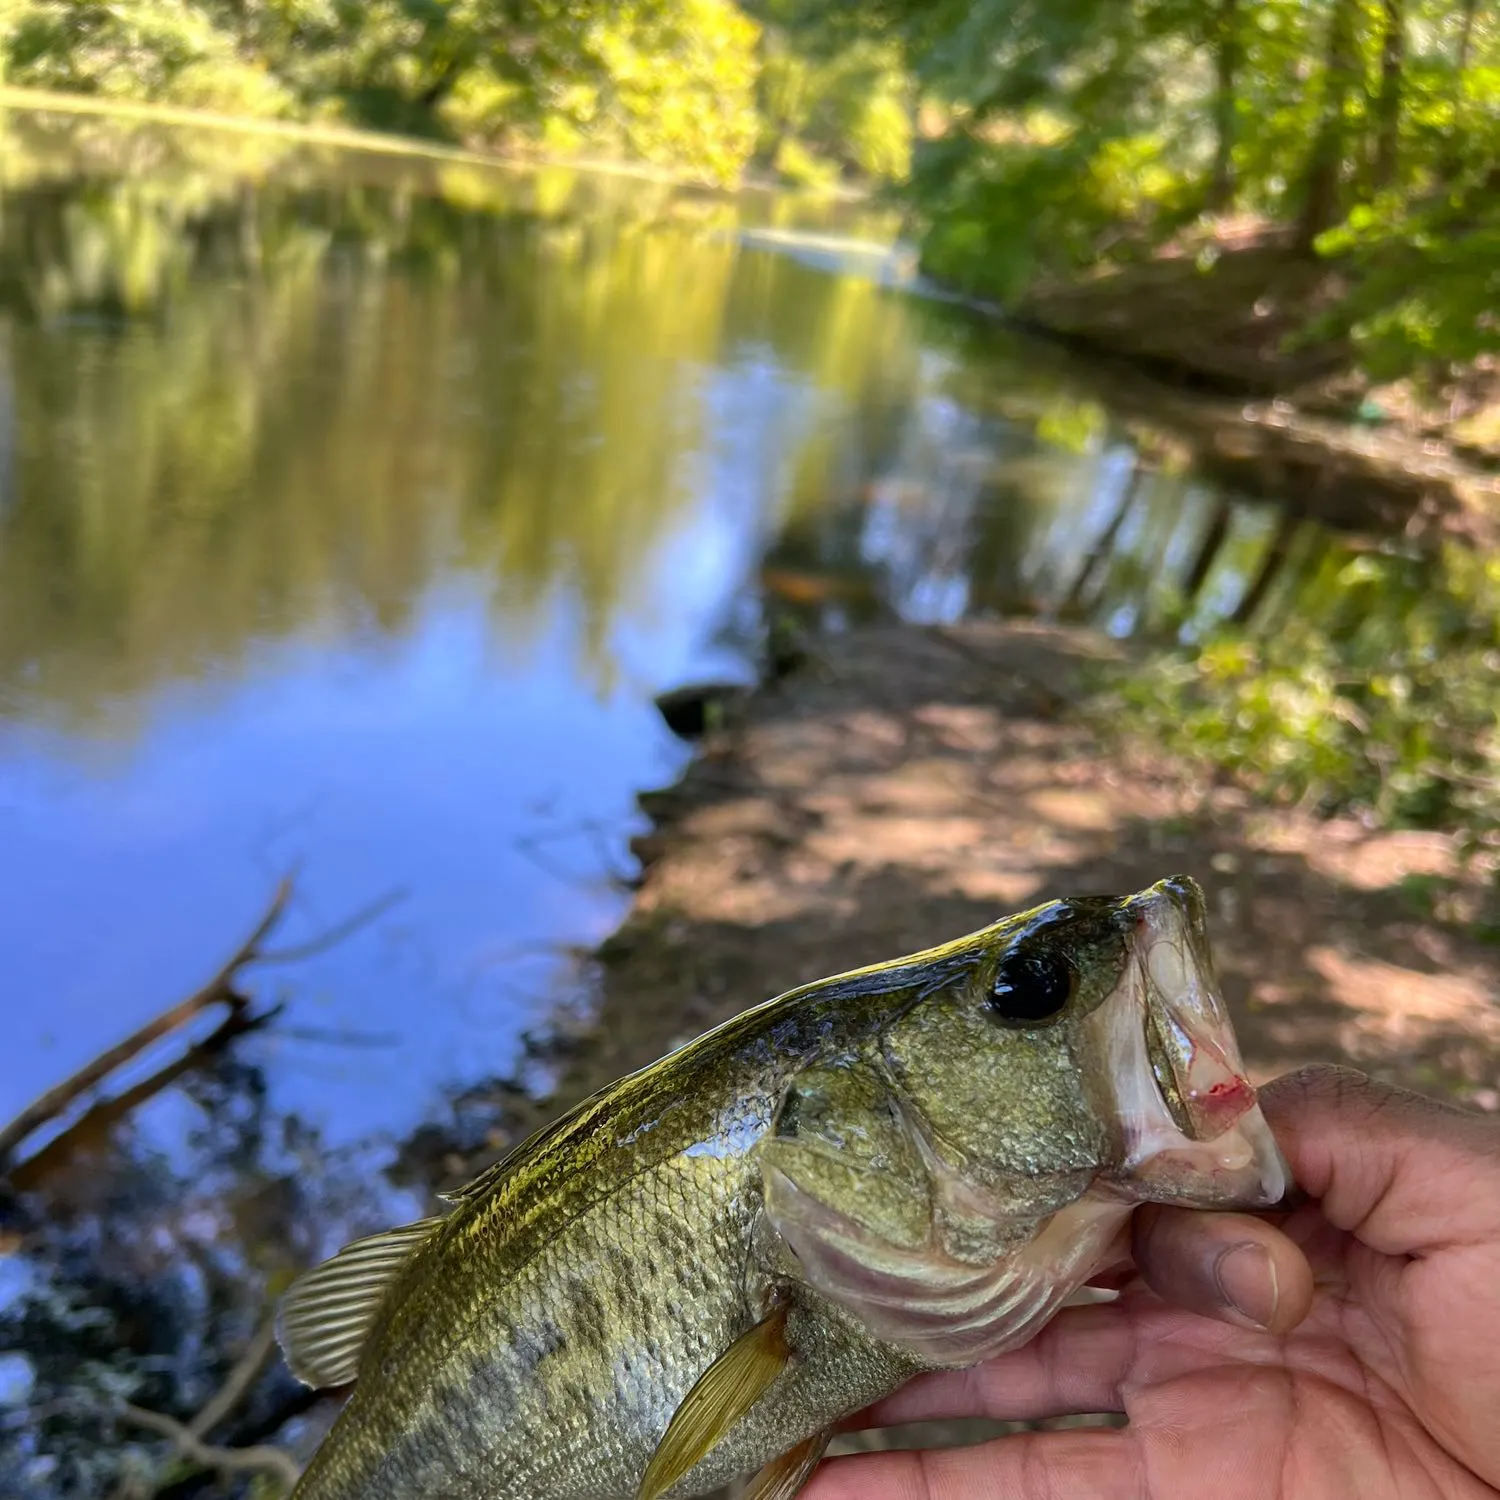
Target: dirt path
[915,784]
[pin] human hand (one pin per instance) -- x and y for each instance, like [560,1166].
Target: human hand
[1368,1365]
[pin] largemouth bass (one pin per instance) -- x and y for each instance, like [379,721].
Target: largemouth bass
[697,1272]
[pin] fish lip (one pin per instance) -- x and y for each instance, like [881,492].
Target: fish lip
[1216,1148]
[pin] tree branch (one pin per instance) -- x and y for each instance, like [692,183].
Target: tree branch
[332,935]
[261,1459]
[237,1382]
[219,990]
[99,1118]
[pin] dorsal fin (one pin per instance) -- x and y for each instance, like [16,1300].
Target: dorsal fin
[327,1314]
[477,1187]
[498,1171]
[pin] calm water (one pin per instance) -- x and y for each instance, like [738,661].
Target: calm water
[352,512]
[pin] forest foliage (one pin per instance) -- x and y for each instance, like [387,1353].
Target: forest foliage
[1373,696]
[701,85]
[1036,139]
[1089,132]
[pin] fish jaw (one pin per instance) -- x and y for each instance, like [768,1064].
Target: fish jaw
[1165,1030]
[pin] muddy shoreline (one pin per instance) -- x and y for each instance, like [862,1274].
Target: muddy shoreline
[1218,355]
[910,784]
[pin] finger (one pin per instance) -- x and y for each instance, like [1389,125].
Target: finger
[1077,1363]
[1226,1266]
[1403,1173]
[1080,1464]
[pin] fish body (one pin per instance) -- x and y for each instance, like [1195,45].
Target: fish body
[697,1272]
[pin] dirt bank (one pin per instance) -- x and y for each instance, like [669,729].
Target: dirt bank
[913,784]
[1220,325]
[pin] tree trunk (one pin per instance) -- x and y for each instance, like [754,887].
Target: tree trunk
[1100,553]
[441,86]
[1208,551]
[1455,150]
[1466,38]
[1388,103]
[1226,69]
[1273,561]
[1325,164]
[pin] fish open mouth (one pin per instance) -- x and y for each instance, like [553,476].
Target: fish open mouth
[1193,1131]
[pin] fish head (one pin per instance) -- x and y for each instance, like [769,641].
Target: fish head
[1088,1039]
[951,1184]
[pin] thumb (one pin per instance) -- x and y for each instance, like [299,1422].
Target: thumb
[1403,1173]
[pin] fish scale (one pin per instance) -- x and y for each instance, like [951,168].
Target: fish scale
[710,1263]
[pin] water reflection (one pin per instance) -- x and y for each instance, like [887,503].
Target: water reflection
[352,510]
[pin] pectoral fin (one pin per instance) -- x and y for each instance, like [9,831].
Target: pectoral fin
[725,1391]
[784,1477]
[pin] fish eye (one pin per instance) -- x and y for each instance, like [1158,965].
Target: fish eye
[1030,987]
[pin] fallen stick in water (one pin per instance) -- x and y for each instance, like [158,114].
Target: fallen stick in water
[220,990]
[261,1459]
[189,1439]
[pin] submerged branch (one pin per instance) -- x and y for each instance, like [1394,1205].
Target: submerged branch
[237,1382]
[95,1123]
[188,1438]
[261,1459]
[219,990]
[334,935]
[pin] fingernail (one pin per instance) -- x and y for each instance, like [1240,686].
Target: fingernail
[1246,1277]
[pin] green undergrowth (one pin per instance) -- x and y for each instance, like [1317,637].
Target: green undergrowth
[1383,704]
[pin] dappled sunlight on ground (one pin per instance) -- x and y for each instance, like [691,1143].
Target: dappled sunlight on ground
[913,785]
